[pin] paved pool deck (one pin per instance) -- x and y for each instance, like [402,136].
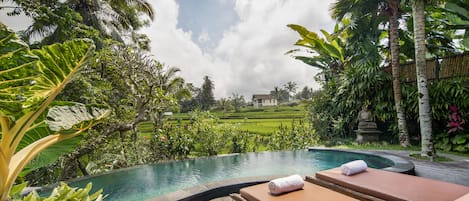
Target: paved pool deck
[456,171]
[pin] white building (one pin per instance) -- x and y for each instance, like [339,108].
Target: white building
[259,100]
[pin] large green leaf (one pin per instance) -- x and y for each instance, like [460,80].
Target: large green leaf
[58,63]
[27,77]
[17,71]
[312,61]
[300,29]
[29,82]
[64,118]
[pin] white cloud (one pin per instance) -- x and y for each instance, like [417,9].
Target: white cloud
[250,56]
[204,37]
[16,23]
[173,46]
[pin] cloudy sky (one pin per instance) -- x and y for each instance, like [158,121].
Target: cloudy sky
[239,44]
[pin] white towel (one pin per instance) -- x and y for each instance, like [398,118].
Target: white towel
[354,167]
[286,184]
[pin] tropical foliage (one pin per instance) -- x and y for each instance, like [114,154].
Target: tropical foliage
[137,87]
[58,21]
[61,193]
[363,78]
[30,120]
[298,136]
[330,51]
[369,37]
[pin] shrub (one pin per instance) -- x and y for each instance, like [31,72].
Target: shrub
[63,192]
[299,136]
[458,141]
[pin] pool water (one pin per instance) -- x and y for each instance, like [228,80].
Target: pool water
[150,181]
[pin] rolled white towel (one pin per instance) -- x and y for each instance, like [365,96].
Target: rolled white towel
[286,184]
[354,167]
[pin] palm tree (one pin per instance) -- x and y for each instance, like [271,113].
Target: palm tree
[58,21]
[418,7]
[224,104]
[291,88]
[393,13]
[391,9]
[237,101]
[277,94]
[113,18]
[170,85]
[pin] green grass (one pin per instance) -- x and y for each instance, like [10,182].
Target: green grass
[280,112]
[263,121]
[259,126]
[254,126]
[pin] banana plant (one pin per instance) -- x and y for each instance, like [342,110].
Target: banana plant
[327,54]
[29,82]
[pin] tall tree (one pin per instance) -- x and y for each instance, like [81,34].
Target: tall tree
[206,97]
[116,19]
[57,20]
[170,85]
[425,118]
[393,14]
[224,104]
[359,11]
[276,93]
[280,94]
[306,93]
[237,101]
[190,104]
[291,88]
[135,91]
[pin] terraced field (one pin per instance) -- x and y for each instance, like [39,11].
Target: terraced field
[262,121]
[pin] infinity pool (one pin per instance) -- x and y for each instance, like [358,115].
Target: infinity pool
[150,181]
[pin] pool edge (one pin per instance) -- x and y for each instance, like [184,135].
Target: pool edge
[401,165]
[225,187]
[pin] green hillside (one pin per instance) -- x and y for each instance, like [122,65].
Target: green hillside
[262,121]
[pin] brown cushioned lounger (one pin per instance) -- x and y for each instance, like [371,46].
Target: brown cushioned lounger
[310,192]
[395,186]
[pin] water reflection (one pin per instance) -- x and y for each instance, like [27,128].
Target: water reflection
[149,181]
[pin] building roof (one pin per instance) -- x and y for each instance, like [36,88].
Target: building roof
[262,96]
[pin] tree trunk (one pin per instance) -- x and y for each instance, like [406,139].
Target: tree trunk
[396,71]
[82,169]
[420,65]
[89,148]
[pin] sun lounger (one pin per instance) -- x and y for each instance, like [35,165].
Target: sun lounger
[464,198]
[310,192]
[392,186]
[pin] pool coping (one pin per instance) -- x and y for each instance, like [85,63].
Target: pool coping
[401,165]
[225,187]
[214,189]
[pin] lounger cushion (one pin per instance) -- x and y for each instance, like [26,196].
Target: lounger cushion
[395,186]
[310,192]
[463,198]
